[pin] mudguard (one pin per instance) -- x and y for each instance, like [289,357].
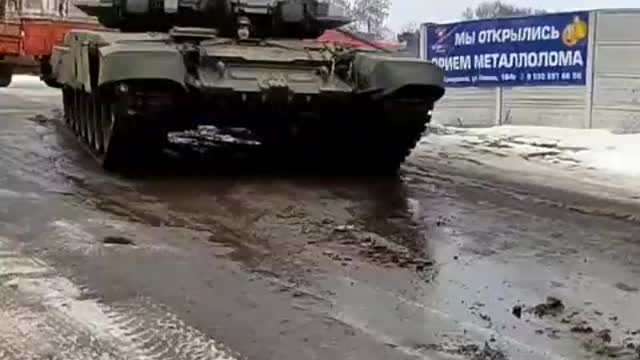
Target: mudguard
[59,73]
[382,76]
[119,57]
[149,61]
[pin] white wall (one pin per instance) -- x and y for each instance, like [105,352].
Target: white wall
[466,107]
[616,72]
[544,106]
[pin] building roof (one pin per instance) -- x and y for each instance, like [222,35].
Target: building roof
[337,37]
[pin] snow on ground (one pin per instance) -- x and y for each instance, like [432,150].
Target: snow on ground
[33,88]
[594,149]
[44,315]
[595,163]
[26,81]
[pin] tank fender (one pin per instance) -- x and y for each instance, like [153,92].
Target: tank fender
[150,61]
[59,73]
[66,66]
[69,62]
[388,76]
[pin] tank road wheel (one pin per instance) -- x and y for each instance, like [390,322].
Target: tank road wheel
[91,122]
[73,110]
[81,114]
[90,118]
[105,124]
[114,153]
[86,117]
[75,126]
[122,148]
[130,140]
[98,134]
[88,130]
[77,122]
[70,108]
[119,138]
[67,102]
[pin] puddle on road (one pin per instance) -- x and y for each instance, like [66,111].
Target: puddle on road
[484,254]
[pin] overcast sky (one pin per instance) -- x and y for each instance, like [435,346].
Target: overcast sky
[419,11]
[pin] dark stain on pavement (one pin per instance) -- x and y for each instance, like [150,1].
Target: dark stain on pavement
[117,240]
[553,306]
[625,287]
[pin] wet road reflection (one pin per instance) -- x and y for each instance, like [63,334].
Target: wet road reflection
[423,264]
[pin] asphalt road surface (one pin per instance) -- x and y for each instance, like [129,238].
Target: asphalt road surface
[181,264]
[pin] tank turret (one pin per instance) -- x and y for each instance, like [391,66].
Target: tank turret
[261,18]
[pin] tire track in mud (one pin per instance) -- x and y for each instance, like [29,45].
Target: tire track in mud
[45,316]
[536,194]
[517,186]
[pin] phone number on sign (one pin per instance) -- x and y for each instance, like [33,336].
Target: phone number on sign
[543,76]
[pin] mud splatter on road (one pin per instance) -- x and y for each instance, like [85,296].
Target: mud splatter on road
[552,307]
[282,266]
[469,351]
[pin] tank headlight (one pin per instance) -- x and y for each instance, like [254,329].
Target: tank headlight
[243,32]
[221,67]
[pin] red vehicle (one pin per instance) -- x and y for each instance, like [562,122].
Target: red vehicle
[348,39]
[30,29]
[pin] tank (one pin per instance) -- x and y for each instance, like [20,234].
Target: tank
[167,66]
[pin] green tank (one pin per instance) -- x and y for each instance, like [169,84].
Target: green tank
[168,66]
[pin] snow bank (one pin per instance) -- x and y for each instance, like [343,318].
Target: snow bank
[21,81]
[32,89]
[593,148]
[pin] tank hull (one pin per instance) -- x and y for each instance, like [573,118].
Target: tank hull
[124,92]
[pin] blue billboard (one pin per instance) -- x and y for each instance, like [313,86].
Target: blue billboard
[539,50]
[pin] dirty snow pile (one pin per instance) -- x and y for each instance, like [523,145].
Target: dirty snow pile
[31,88]
[596,149]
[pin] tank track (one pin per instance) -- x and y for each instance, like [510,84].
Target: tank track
[375,142]
[117,139]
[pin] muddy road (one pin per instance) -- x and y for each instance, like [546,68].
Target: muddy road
[186,264]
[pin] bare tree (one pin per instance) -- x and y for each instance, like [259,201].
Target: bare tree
[409,37]
[368,15]
[408,32]
[468,13]
[498,9]
[410,27]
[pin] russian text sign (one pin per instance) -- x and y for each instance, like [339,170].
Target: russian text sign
[525,51]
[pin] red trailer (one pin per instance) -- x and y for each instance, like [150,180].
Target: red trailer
[29,29]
